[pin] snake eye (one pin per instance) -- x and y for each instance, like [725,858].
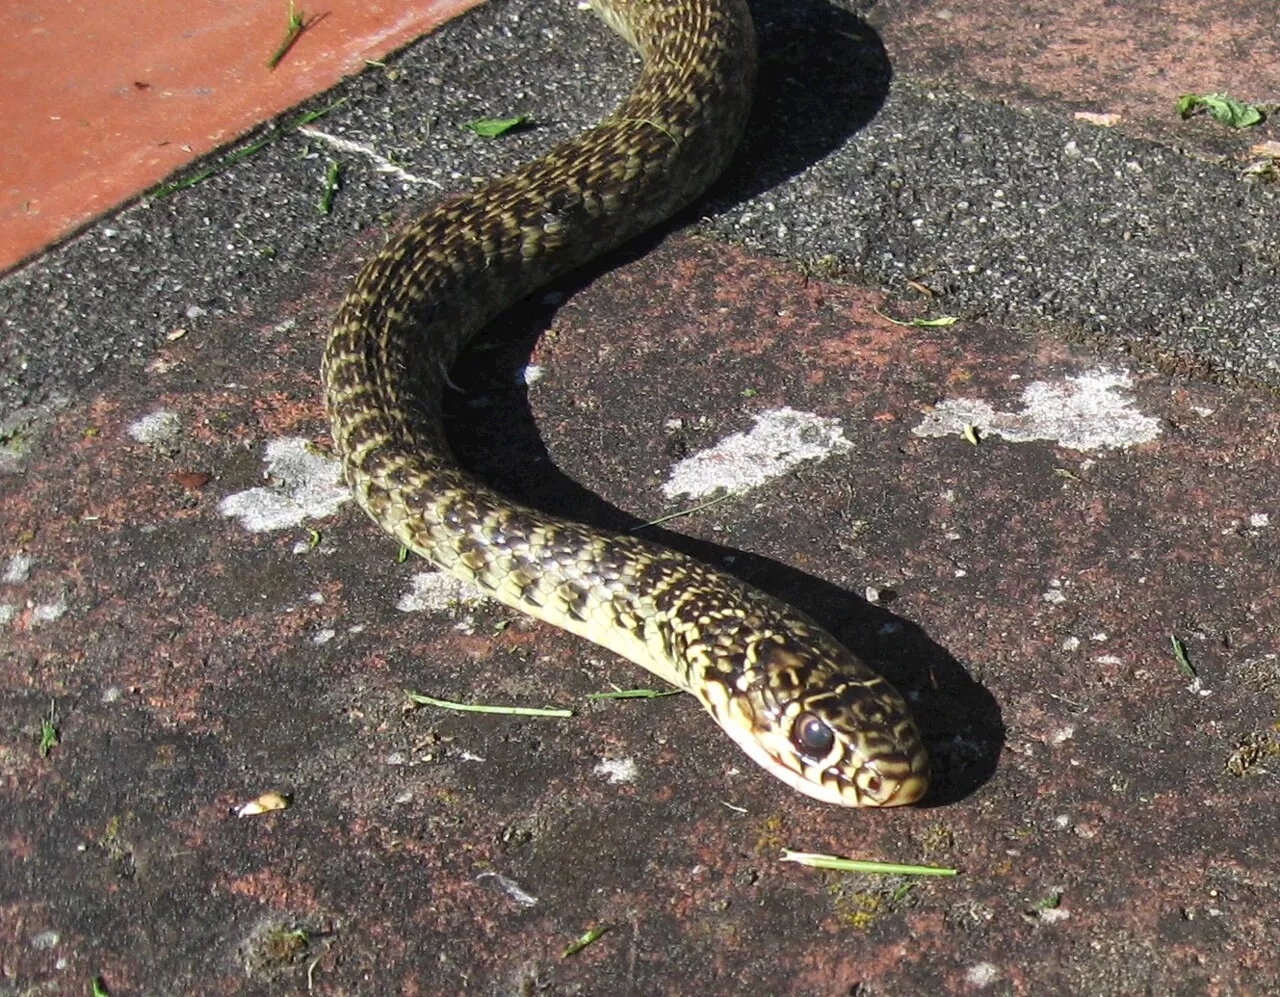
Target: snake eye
[811,736]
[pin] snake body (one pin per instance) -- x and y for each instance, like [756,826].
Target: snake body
[790,695]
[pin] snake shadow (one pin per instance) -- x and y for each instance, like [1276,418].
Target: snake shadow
[825,77]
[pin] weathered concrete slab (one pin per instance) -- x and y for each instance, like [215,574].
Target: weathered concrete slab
[1109,814]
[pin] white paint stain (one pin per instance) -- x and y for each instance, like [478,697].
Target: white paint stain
[981,974]
[508,886]
[305,485]
[47,612]
[780,439]
[161,427]
[617,771]
[45,940]
[17,570]
[380,162]
[1054,595]
[435,590]
[1090,412]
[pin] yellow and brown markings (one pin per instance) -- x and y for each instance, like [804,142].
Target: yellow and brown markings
[755,664]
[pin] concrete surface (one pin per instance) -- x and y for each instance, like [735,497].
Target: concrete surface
[189,599]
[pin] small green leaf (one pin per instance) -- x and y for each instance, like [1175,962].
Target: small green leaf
[330,187]
[493,127]
[941,322]
[315,115]
[820,861]
[49,736]
[635,694]
[97,988]
[1226,110]
[580,943]
[298,23]
[1180,653]
[902,891]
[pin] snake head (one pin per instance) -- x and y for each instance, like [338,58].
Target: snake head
[812,713]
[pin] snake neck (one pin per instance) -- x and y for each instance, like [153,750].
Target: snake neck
[449,273]
[452,271]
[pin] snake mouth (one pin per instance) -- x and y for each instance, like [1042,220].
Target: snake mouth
[893,781]
[869,787]
[888,779]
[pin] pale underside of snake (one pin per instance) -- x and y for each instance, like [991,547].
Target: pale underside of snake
[801,705]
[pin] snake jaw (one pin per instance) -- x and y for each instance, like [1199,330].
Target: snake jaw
[886,781]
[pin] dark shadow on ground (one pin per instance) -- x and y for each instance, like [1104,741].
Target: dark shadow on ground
[824,75]
[494,434]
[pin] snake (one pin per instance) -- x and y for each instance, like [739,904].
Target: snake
[800,704]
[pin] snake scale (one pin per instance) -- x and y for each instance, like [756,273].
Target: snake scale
[797,702]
